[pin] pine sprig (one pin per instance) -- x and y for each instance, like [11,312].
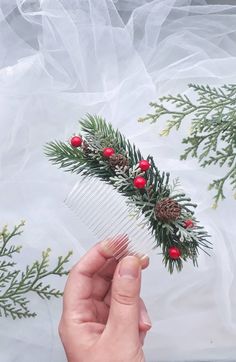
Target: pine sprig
[97,135]
[212,138]
[15,284]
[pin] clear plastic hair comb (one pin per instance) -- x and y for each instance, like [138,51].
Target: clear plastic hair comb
[107,214]
[120,192]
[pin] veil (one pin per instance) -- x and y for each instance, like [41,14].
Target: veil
[60,59]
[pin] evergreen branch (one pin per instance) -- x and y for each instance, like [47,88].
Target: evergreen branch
[212,137]
[89,160]
[218,184]
[60,153]
[14,284]
[11,309]
[5,236]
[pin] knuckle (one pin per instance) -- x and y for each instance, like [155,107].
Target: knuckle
[77,269]
[123,298]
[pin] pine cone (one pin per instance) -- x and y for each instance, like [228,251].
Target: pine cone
[118,160]
[167,210]
[86,148]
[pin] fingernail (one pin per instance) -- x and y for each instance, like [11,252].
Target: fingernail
[105,244]
[129,267]
[111,243]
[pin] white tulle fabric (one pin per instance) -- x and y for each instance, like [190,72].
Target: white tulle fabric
[62,59]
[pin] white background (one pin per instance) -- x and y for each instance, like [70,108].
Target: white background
[62,59]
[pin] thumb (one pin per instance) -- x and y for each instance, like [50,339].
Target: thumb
[124,308]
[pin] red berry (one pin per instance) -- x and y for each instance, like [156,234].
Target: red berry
[188,224]
[174,253]
[140,182]
[144,165]
[76,141]
[108,152]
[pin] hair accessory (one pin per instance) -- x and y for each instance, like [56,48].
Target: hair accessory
[121,192]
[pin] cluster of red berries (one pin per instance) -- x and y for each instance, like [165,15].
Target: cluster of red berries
[139,182]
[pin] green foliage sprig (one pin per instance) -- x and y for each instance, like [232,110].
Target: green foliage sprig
[97,135]
[16,284]
[212,138]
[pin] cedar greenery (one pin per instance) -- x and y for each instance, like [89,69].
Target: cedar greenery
[98,134]
[15,285]
[212,138]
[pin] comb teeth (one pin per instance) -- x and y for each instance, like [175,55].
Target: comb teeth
[105,211]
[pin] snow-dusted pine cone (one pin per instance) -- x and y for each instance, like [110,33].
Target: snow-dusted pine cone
[167,210]
[118,160]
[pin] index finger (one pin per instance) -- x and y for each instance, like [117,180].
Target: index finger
[79,285]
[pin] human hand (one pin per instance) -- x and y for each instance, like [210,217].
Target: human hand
[104,319]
